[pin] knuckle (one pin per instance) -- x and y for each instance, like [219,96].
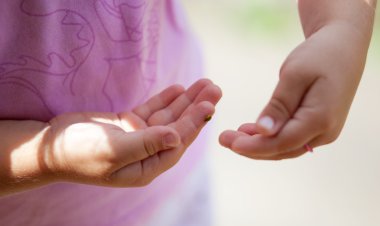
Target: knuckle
[290,69]
[293,68]
[280,107]
[154,119]
[149,147]
[190,128]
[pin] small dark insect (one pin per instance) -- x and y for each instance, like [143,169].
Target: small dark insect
[208,118]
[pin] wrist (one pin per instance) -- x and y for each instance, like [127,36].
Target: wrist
[22,156]
[317,14]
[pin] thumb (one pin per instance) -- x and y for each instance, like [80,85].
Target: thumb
[286,99]
[142,144]
[159,138]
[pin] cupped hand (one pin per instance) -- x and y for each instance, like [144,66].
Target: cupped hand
[310,104]
[130,148]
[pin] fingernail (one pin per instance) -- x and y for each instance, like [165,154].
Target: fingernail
[266,122]
[170,140]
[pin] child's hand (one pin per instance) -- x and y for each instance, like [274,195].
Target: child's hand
[310,104]
[129,149]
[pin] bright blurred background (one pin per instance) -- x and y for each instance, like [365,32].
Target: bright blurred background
[245,43]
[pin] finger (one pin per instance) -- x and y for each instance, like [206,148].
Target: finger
[302,128]
[137,174]
[227,138]
[135,146]
[288,155]
[144,171]
[249,128]
[203,90]
[211,93]
[285,100]
[172,112]
[306,148]
[190,124]
[188,127]
[158,102]
[308,123]
[311,145]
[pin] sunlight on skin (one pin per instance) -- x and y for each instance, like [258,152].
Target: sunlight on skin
[24,158]
[89,130]
[126,126]
[79,134]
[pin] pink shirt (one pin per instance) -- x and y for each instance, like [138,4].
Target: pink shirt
[61,56]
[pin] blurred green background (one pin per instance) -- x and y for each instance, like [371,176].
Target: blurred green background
[244,44]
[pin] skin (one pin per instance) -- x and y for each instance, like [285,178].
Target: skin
[317,83]
[119,150]
[100,148]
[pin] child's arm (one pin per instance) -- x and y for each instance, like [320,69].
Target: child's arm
[124,150]
[317,83]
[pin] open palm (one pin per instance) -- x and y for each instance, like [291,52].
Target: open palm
[130,148]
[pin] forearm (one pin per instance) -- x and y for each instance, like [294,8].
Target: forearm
[344,25]
[356,13]
[22,164]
